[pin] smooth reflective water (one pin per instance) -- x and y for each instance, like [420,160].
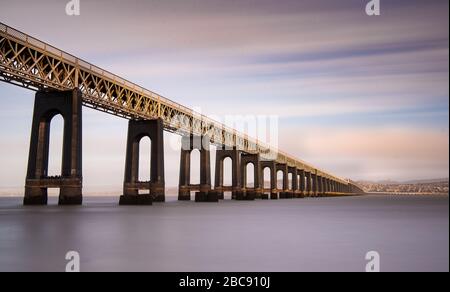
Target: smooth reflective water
[320,234]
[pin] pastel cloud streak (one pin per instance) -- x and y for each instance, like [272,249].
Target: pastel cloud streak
[343,82]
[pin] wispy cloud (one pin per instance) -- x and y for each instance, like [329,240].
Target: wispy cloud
[387,152]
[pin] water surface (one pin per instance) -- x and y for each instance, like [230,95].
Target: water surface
[313,234]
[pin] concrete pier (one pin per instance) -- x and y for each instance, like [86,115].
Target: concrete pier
[256,191]
[293,189]
[302,183]
[156,186]
[236,186]
[272,165]
[47,105]
[285,185]
[189,144]
[308,176]
[315,186]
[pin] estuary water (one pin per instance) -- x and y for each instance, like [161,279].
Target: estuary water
[411,233]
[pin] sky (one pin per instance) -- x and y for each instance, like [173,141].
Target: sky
[364,97]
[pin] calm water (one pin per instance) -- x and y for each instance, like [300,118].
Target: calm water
[323,234]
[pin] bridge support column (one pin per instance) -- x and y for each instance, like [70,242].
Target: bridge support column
[320,186]
[292,193]
[156,186]
[302,183]
[235,156]
[284,192]
[314,184]
[256,191]
[203,190]
[48,104]
[308,176]
[273,194]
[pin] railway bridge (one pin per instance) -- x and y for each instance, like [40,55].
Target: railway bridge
[64,84]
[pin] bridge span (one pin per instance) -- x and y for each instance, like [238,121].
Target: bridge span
[64,83]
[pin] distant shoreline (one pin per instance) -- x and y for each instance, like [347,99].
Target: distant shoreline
[406,194]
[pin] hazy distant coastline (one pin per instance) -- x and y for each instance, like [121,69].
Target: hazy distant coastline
[423,187]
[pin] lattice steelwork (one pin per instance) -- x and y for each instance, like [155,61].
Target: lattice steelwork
[33,64]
